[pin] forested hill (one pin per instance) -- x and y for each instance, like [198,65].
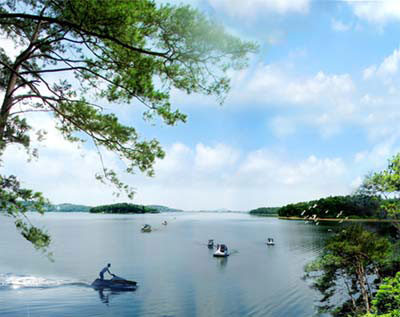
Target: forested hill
[123,208]
[357,206]
[265,211]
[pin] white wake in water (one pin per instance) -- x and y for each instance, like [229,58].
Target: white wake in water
[13,281]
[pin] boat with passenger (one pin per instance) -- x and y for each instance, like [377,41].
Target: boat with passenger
[222,251]
[146,228]
[270,241]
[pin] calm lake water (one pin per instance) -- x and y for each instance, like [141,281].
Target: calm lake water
[176,272]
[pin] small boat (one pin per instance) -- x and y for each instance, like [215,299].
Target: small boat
[222,250]
[116,283]
[270,241]
[164,223]
[210,243]
[146,228]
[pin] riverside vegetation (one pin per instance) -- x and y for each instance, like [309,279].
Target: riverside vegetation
[358,272]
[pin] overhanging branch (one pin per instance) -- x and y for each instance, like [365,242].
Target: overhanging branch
[79,28]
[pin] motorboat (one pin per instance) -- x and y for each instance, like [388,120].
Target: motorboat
[146,228]
[164,222]
[222,250]
[116,283]
[270,241]
[210,243]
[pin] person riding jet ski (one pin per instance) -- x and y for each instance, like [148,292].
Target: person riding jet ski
[104,270]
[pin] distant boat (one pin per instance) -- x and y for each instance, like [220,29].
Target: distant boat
[210,243]
[222,251]
[146,228]
[270,241]
[164,222]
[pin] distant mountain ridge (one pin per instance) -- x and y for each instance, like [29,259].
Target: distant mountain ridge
[67,207]
[161,208]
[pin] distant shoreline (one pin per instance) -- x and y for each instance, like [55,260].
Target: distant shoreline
[338,219]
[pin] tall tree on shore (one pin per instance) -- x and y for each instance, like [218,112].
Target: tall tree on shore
[117,51]
[350,265]
[386,183]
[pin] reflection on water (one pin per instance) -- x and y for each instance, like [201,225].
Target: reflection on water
[177,272]
[222,262]
[107,295]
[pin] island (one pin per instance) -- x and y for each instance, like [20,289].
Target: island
[123,208]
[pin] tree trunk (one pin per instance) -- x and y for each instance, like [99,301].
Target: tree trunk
[353,301]
[361,279]
[12,81]
[6,106]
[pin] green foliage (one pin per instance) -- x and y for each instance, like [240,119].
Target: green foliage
[12,204]
[386,302]
[107,52]
[351,260]
[386,184]
[387,299]
[362,206]
[123,208]
[265,211]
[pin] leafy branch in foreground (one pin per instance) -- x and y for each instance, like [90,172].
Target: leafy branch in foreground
[386,184]
[74,56]
[13,200]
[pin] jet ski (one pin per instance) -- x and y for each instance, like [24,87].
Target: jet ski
[116,283]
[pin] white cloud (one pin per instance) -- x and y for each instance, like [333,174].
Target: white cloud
[212,158]
[369,72]
[203,176]
[254,8]
[257,178]
[378,11]
[340,26]
[270,83]
[9,46]
[386,70]
[376,157]
[62,172]
[390,64]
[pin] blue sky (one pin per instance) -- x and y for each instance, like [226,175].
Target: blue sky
[316,110]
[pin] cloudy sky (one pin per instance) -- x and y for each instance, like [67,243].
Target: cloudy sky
[317,109]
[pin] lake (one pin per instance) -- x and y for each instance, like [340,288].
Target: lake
[176,272]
